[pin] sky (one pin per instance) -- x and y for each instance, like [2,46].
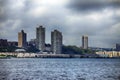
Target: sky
[99,19]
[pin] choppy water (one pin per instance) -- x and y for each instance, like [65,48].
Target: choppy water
[59,69]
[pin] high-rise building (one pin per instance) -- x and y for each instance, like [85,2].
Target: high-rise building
[118,47]
[40,38]
[85,42]
[56,42]
[22,39]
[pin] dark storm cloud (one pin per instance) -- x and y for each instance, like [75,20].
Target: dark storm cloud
[88,5]
[29,14]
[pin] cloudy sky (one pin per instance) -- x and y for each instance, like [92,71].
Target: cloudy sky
[99,19]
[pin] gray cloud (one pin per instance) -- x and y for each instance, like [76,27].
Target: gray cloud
[95,5]
[2,10]
[100,24]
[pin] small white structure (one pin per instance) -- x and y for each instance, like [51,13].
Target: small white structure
[25,55]
[20,50]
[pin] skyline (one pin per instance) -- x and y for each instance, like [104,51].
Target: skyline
[100,20]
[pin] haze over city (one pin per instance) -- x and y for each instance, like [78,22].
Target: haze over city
[100,20]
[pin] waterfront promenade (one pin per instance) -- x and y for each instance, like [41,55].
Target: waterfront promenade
[38,55]
[108,53]
[99,54]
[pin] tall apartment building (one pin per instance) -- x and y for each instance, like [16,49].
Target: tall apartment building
[118,47]
[56,42]
[40,38]
[85,42]
[22,39]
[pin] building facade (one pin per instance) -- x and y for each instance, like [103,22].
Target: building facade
[85,42]
[32,42]
[108,53]
[40,38]
[56,42]
[22,39]
[13,43]
[3,42]
[117,47]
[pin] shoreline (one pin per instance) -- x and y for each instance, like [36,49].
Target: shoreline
[7,55]
[57,58]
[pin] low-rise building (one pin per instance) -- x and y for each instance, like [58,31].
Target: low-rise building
[109,53]
[3,42]
[12,43]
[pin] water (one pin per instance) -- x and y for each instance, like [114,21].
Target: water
[59,69]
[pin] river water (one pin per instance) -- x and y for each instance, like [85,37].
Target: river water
[59,69]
